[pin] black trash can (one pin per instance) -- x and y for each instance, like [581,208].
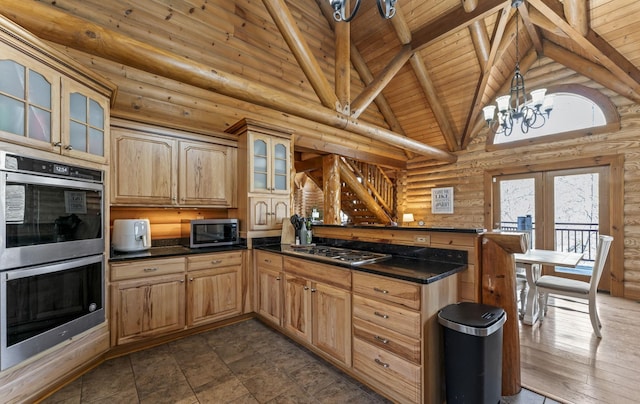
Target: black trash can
[472,352]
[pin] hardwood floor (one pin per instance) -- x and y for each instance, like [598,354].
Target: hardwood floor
[563,359]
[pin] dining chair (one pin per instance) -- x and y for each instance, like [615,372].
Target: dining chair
[555,285]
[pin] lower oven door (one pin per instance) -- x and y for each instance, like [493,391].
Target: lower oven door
[45,305]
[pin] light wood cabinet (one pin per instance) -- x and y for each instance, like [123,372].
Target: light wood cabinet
[148,299]
[154,297]
[317,306]
[265,177]
[171,171]
[270,286]
[52,105]
[214,287]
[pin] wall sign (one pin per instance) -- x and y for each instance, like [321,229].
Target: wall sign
[442,200]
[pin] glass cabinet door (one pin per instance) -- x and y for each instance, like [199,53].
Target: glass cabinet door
[260,165]
[25,101]
[86,124]
[280,171]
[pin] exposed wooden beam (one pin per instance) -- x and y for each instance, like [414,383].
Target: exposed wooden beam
[309,164]
[332,189]
[438,109]
[59,27]
[531,29]
[590,69]
[362,101]
[538,19]
[576,13]
[476,106]
[367,77]
[478,32]
[298,45]
[600,53]
[453,21]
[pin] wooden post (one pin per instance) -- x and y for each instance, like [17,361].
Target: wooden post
[499,289]
[332,188]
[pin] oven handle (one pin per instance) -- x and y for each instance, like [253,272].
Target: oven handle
[51,181]
[50,268]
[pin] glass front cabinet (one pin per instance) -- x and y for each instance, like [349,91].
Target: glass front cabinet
[47,108]
[269,164]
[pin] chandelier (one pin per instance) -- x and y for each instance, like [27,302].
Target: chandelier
[515,108]
[386,8]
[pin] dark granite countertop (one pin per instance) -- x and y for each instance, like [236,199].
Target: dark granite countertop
[406,228]
[409,269]
[170,251]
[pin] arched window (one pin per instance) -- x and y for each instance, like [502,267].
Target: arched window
[577,111]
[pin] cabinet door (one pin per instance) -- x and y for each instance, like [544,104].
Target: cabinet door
[297,306]
[267,213]
[85,123]
[280,165]
[269,164]
[149,307]
[280,212]
[29,101]
[214,294]
[207,174]
[332,321]
[270,299]
[143,169]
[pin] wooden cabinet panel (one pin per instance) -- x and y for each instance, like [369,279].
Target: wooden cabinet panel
[217,260]
[270,295]
[143,169]
[391,290]
[214,294]
[206,174]
[149,307]
[404,321]
[297,307]
[158,170]
[331,312]
[267,213]
[384,338]
[329,274]
[146,268]
[398,378]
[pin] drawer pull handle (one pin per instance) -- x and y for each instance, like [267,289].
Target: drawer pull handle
[216,262]
[313,290]
[306,288]
[277,278]
[267,261]
[381,291]
[381,363]
[383,340]
[150,269]
[381,315]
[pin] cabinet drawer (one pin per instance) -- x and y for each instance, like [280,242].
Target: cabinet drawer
[383,338]
[146,268]
[385,315]
[330,274]
[399,378]
[391,290]
[268,260]
[207,261]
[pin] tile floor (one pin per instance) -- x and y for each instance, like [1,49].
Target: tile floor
[243,363]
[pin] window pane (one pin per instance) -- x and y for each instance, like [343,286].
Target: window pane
[281,182]
[96,114]
[260,148]
[39,124]
[281,152]
[280,167]
[78,107]
[78,136]
[12,78]
[260,164]
[260,180]
[39,90]
[11,115]
[96,142]
[517,200]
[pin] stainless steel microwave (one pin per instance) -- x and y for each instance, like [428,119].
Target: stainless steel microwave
[211,232]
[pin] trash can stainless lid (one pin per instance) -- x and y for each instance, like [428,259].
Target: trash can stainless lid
[472,318]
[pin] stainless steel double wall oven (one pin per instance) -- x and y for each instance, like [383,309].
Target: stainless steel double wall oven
[51,254]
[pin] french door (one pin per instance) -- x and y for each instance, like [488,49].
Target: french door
[568,208]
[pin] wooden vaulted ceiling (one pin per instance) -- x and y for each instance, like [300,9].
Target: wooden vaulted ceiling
[373,89]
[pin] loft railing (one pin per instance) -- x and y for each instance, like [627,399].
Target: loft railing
[378,184]
[571,237]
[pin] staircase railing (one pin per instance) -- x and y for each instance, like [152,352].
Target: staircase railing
[379,185]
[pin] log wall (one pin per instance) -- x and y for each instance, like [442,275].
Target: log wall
[467,177]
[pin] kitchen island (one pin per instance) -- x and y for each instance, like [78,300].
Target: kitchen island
[375,321]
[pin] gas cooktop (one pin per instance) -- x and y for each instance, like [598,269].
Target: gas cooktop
[336,254]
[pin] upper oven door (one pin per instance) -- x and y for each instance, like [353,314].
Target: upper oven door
[46,219]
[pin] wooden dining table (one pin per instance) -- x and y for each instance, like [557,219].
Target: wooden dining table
[532,261]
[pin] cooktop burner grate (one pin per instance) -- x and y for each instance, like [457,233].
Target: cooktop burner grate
[332,254]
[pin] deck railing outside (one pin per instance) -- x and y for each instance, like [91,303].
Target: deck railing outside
[571,237]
